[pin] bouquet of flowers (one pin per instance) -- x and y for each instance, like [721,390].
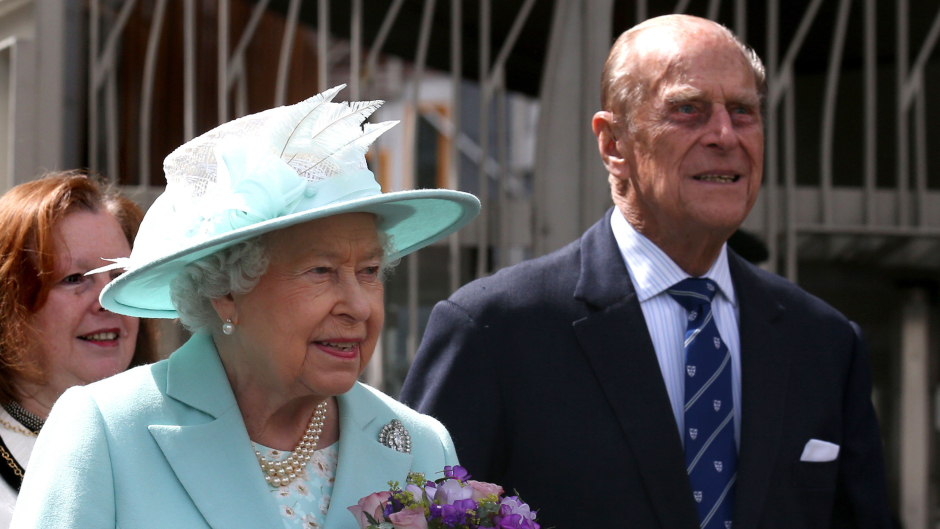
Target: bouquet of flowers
[454,501]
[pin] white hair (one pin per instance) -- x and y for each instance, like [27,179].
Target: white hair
[233,270]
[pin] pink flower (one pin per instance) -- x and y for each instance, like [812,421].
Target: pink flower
[482,490]
[412,518]
[372,504]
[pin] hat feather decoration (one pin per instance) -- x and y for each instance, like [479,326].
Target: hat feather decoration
[322,128]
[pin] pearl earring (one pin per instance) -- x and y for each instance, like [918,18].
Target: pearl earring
[228,327]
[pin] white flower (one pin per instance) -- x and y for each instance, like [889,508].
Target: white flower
[322,465]
[310,522]
[324,504]
[288,512]
[300,488]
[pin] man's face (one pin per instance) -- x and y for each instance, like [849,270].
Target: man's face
[698,148]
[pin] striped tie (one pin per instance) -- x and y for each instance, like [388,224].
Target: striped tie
[710,453]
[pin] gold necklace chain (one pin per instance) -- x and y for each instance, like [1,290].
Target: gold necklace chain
[12,463]
[18,429]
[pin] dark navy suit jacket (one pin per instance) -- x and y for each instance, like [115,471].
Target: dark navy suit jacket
[546,377]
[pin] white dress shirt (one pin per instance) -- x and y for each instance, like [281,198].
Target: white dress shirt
[652,272]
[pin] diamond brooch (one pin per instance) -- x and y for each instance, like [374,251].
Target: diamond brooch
[396,437]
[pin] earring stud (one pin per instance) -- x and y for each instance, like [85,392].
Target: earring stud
[228,327]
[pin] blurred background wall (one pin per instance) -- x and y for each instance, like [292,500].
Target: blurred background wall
[495,98]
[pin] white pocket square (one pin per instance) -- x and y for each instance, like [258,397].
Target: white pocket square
[817,451]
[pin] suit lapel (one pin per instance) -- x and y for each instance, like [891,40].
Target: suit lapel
[365,465]
[616,342]
[765,367]
[213,460]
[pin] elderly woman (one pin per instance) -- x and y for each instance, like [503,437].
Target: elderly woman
[270,244]
[54,333]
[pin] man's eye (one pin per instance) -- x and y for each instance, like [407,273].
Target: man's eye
[741,110]
[686,109]
[320,270]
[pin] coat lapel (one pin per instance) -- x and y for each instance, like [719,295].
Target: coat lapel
[365,465]
[765,368]
[616,342]
[213,460]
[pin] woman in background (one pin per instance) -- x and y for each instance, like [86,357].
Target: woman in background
[54,334]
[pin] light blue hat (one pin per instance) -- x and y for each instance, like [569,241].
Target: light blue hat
[265,172]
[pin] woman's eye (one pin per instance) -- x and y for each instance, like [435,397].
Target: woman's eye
[73,279]
[371,270]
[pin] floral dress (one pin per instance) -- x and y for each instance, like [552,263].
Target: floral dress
[305,502]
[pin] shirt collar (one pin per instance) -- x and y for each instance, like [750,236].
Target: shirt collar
[652,271]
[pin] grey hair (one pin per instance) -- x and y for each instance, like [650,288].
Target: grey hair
[623,87]
[233,270]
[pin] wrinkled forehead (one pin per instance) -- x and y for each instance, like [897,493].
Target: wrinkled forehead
[669,58]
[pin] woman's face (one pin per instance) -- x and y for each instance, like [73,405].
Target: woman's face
[78,340]
[311,324]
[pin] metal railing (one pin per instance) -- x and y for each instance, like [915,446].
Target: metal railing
[780,207]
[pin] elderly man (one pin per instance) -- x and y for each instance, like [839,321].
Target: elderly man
[645,375]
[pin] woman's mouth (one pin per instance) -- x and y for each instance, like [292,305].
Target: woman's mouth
[341,349]
[103,338]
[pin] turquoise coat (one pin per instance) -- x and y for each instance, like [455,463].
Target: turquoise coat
[165,446]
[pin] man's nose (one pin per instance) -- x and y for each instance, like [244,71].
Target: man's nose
[720,133]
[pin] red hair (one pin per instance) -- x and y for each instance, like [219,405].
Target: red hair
[29,214]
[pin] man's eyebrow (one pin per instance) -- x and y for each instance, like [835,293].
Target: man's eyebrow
[748,100]
[682,94]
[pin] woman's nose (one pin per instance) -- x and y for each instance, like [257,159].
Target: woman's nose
[352,299]
[101,281]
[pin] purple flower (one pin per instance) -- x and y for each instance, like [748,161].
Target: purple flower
[456,472]
[514,514]
[415,491]
[514,521]
[456,514]
[513,505]
[452,491]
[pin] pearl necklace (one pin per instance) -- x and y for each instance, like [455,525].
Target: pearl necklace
[279,473]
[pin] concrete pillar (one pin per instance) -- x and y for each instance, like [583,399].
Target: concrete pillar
[571,190]
[915,412]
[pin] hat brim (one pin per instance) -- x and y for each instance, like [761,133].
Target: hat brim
[412,220]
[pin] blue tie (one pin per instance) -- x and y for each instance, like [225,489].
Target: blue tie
[710,454]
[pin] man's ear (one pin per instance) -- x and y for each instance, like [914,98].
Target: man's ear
[607,144]
[225,308]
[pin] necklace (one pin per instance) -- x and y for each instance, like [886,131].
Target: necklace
[279,473]
[23,416]
[18,429]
